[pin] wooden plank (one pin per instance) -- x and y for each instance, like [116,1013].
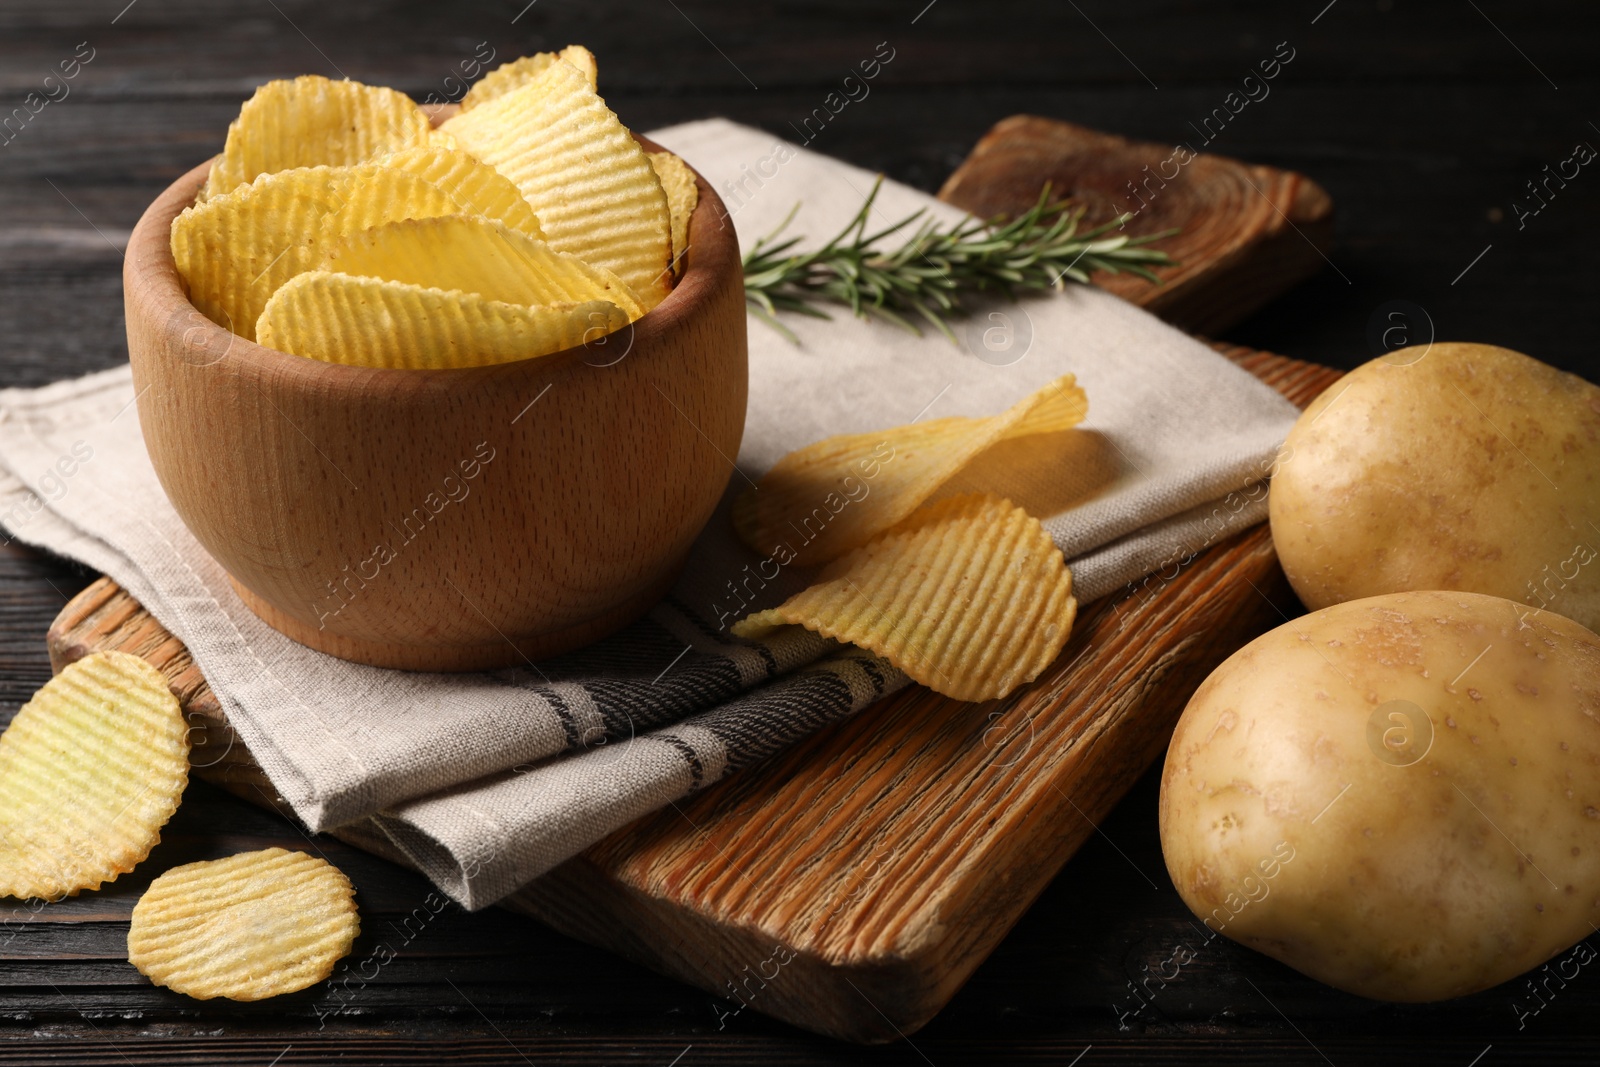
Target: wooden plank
[111,151]
[497,1047]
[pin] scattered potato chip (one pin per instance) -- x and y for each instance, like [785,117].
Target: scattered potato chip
[235,250]
[682,197]
[369,322]
[476,255]
[519,72]
[91,769]
[313,122]
[827,498]
[968,596]
[477,187]
[249,927]
[595,193]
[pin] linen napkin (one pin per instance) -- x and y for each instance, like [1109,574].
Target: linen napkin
[487,780]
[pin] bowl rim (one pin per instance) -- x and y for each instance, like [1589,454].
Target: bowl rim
[151,279]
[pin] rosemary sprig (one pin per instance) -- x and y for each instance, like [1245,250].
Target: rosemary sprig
[928,274]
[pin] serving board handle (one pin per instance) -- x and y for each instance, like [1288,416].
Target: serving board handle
[1246,233]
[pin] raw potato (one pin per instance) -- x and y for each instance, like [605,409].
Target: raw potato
[1472,468]
[1396,796]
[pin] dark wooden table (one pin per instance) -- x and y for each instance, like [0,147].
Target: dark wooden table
[1425,123]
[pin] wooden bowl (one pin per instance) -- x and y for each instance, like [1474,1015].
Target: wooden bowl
[445,520]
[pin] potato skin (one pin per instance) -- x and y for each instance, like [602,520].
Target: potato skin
[1473,468]
[1285,829]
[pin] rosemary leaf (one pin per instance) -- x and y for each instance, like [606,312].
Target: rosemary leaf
[929,273]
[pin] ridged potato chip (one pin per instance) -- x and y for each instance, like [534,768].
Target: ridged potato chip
[968,596]
[370,322]
[806,507]
[584,62]
[313,122]
[91,769]
[235,250]
[519,72]
[249,927]
[595,193]
[683,195]
[476,255]
[476,186]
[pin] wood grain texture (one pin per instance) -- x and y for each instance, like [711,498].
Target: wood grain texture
[1247,233]
[1421,120]
[852,884]
[323,489]
[518,1049]
[1386,107]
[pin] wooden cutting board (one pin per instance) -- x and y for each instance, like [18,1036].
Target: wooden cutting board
[1247,232]
[851,884]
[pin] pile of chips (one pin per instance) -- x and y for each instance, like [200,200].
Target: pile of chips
[338,224]
[91,769]
[966,594]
